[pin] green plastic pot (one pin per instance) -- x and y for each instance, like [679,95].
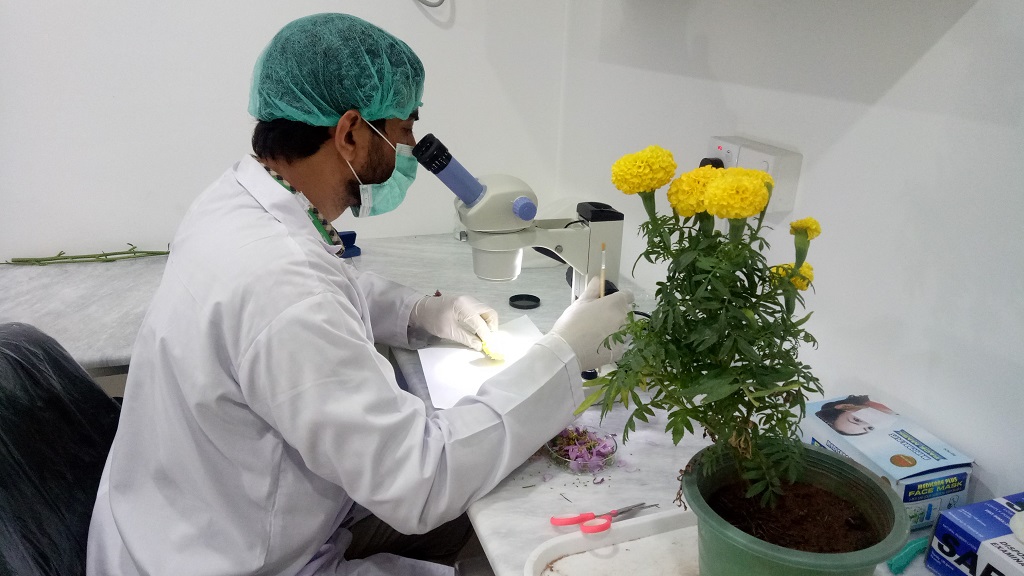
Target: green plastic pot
[725,550]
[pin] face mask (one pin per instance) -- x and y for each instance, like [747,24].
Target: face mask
[875,417]
[376,199]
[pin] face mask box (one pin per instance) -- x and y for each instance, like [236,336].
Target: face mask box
[976,540]
[926,473]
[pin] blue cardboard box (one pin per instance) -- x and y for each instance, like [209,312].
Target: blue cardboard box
[926,473]
[976,540]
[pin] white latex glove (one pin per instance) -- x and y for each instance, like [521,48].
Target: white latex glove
[1017,525]
[589,320]
[461,319]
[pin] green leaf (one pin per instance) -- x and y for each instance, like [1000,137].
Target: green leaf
[747,350]
[756,488]
[778,375]
[685,258]
[718,393]
[708,341]
[708,383]
[707,263]
[677,433]
[751,318]
[803,320]
[588,401]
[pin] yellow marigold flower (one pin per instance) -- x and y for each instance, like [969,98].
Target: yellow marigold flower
[686,194]
[780,271]
[810,225]
[643,171]
[802,279]
[737,193]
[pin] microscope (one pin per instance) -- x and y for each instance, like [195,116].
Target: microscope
[499,214]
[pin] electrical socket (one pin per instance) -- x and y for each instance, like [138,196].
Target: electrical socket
[783,165]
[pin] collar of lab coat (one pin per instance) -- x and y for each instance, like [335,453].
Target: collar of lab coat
[277,201]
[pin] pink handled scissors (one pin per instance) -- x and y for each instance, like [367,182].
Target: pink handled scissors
[591,523]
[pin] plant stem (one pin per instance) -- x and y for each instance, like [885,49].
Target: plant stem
[648,200]
[74,258]
[736,228]
[707,224]
[779,390]
[801,243]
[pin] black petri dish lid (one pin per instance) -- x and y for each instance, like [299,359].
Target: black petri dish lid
[524,301]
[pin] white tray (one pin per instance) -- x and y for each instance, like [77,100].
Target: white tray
[651,545]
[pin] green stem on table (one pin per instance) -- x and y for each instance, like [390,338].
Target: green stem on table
[63,258]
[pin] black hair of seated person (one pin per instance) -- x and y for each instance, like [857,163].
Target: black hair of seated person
[288,140]
[56,427]
[829,411]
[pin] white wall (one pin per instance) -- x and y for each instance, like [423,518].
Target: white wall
[909,118]
[114,115]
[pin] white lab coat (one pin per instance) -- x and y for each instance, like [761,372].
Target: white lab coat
[257,410]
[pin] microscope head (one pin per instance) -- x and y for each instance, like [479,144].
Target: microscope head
[498,212]
[494,225]
[491,208]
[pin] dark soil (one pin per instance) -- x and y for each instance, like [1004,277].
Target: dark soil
[806,518]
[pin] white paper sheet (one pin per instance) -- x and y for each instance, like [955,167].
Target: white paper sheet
[453,371]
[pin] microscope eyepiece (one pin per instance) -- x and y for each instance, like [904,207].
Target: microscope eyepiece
[435,157]
[432,154]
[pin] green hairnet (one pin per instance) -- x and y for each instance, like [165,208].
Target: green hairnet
[318,67]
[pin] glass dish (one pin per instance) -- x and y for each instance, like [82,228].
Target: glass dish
[583,449]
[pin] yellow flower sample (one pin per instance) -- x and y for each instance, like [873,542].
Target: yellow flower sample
[643,171]
[686,194]
[809,225]
[492,351]
[738,193]
[802,279]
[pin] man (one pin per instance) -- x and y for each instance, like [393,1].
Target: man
[257,412]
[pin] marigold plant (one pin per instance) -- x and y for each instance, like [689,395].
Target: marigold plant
[720,349]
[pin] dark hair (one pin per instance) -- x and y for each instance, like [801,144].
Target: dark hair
[829,411]
[289,140]
[56,427]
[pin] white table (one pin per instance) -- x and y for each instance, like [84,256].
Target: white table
[513,519]
[95,311]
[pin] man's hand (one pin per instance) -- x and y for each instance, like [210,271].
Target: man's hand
[462,319]
[589,320]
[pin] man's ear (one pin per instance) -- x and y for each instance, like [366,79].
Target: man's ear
[344,137]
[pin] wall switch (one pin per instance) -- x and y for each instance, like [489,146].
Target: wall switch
[782,164]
